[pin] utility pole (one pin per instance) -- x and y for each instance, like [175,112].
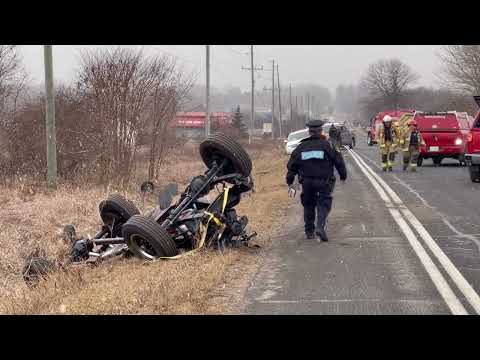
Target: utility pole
[273,97]
[291,110]
[207,92]
[252,117]
[308,107]
[296,113]
[313,107]
[50,119]
[279,103]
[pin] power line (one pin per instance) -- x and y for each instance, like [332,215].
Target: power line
[235,51]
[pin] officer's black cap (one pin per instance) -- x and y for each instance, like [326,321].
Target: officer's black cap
[315,124]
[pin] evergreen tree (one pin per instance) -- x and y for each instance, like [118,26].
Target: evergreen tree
[238,124]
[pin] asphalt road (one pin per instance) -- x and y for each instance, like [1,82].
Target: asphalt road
[400,243]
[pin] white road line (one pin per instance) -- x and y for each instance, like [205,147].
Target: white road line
[392,301]
[462,284]
[438,280]
[401,182]
[471,237]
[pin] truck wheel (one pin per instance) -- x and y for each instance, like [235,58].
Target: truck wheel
[115,210]
[218,147]
[474,171]
[147,239]
[437,161]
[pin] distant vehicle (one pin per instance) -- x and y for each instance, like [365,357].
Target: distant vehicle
[472,156]
[376,123]
[347,137]
[294,139]
[267,129]
[445,135]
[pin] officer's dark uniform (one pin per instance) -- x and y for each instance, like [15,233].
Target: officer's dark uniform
[313,161]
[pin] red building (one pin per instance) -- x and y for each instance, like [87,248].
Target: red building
[192,124]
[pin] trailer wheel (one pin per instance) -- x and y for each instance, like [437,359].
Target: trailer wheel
[474,171]
[218,147]
[147,239]
[116,210]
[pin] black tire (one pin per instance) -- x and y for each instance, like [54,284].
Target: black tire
[147,239]
[218,147]
[420,160]
[437,161]
[474,171]
[117,206]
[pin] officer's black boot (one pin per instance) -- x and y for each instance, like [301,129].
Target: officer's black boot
[323,210]
[321,233]
[309,218]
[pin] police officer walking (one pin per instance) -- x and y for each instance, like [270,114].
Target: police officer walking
[313,161]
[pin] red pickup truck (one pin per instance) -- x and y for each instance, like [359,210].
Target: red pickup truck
[472,156]
[376,122]
[445,135]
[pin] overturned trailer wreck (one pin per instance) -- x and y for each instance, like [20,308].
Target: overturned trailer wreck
[170,230]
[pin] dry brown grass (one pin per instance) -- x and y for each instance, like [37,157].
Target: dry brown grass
[33,218]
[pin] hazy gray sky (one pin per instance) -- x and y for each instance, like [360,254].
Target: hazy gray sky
[327,65]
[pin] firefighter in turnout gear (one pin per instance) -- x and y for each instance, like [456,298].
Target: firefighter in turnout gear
[313,162]
[388,138]
[411,141]
[403,122]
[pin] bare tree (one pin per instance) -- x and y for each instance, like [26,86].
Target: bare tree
[115,85]
[386,82]
[168,95]
[13,79]
[128,94]
[461,68]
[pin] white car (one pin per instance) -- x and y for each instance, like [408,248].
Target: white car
[294,139]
